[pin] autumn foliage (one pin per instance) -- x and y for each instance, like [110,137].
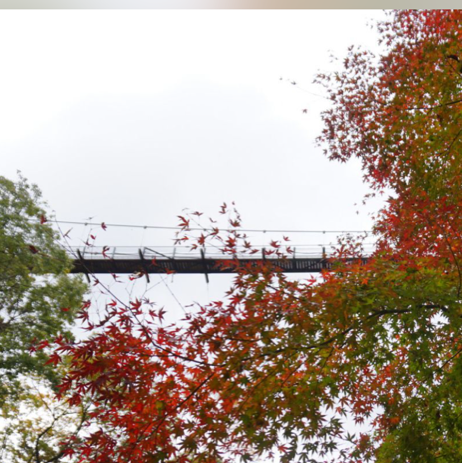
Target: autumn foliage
[284,368]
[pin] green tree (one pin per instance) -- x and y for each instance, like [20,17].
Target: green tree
[36,424]
[38,298]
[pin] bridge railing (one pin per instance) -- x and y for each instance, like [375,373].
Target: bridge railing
[184,253]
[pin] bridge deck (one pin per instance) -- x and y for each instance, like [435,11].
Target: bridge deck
[157,260]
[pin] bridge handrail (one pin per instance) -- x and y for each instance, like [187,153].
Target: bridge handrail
[182,252]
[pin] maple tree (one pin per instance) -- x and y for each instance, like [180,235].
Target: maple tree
[279,367]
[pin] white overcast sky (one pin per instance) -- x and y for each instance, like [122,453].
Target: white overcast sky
[132,116]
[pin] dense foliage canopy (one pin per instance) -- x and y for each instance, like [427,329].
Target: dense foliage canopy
[38,300]
[284,368]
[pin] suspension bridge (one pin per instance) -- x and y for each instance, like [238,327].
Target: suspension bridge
[180,260]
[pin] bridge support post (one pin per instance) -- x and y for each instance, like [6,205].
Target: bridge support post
[143,264]
[82,263]
[204,264]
